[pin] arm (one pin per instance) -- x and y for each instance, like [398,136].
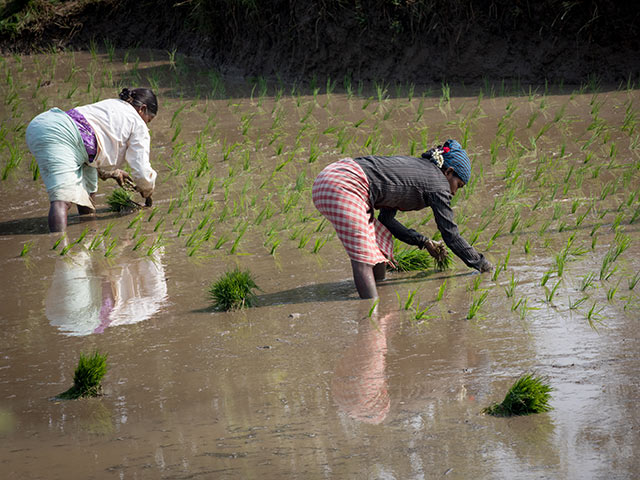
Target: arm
[440,204]
[137,156]
[398,230]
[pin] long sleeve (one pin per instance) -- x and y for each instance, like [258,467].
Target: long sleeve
[137,156]
[398,230]
[122,137]
[440,204]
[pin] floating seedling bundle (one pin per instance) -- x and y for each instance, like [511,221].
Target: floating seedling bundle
[87,377]
[529,394]
[234,290]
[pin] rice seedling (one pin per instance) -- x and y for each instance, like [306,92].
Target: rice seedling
[441,291]
[633,281]
[241,232]
[476,303]
[319,244]
[27,246]
[510,289]
[529,394]
[496,272]
[475,286]
[593,316]
[121,200]
[549,293]
[525,308]
[152,214]
[406,304]
[373,307]
[577,303]
[109,249]
[421,313]
[275,243]
[234,290]
[87,378]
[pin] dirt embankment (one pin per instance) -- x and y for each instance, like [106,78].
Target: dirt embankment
[395,40]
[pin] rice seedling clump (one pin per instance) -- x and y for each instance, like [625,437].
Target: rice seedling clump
[121,200]
[87,377]
[529,394]
[233,291]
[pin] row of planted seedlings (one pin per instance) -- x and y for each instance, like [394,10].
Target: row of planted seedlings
[535,184]
[287,164]
[567,194]
[264,135]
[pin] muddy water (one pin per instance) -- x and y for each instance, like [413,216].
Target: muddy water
[311,383]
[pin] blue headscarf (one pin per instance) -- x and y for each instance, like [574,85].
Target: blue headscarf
[454,156]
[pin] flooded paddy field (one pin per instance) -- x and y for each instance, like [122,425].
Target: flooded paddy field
[313,382]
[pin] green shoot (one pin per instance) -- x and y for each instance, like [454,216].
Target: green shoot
[87,377]
[234,290]
[529,394]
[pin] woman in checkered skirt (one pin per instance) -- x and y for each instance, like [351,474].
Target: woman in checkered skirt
[348,191]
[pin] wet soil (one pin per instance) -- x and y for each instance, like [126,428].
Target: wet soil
[313,383]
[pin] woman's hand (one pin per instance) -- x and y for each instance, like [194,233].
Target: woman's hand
[120,176]
[436,249]
[124,180]
[486,266]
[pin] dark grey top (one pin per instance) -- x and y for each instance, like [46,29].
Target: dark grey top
[409,183]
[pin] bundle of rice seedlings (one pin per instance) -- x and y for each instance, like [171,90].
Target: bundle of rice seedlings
[411,260]
[121,200]
[233,291]
[87,377]
[528,395]
[442,259]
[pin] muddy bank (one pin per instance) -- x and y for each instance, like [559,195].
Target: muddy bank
[410,41]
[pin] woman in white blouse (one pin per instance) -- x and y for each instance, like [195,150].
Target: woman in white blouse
[75,147]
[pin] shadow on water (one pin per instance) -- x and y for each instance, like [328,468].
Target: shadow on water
[187,78]
[318,292]
[40,226]
[334,291]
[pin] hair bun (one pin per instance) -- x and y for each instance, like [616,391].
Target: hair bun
[125,94]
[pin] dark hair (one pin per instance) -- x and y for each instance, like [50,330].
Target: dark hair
[140,96]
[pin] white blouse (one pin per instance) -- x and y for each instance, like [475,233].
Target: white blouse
[122,137]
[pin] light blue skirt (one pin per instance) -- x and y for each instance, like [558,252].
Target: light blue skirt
[55,142]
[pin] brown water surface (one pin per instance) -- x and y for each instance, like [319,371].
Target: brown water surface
[312,383]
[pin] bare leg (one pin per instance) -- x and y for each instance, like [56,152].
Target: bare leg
[380,271]
[365,281]
[58,216]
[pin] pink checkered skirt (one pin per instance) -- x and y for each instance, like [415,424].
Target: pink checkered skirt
[341,194]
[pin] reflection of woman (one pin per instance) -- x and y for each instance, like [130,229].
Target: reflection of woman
[348,191]
[82,300]
[73,148]
[359,386]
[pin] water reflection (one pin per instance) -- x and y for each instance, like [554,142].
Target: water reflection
[359,385]
[87,295]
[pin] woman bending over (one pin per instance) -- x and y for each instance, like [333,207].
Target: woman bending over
[348,191]
[75,147]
